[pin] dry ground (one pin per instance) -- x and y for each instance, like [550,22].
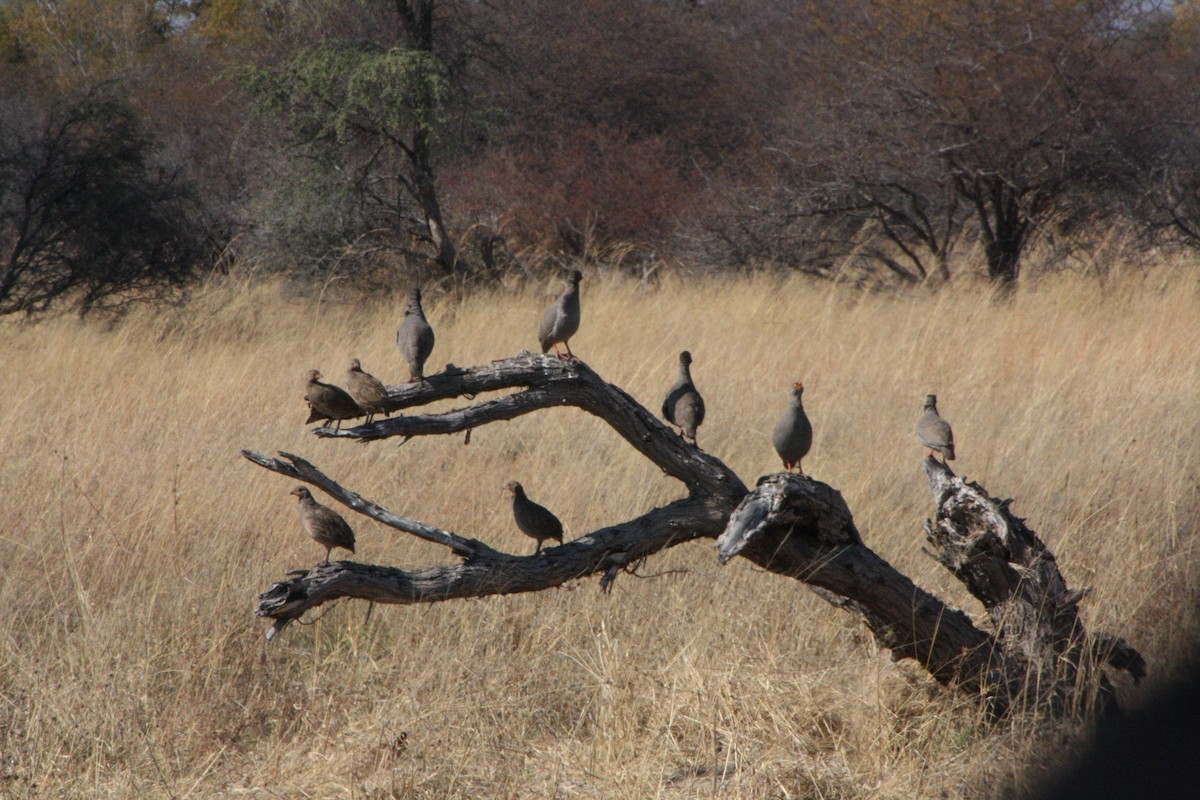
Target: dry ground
[134,541]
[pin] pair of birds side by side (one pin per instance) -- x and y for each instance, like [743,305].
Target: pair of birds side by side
[792,435]
[559,323]
[364,395]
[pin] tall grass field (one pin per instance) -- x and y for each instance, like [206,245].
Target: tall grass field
[134,540]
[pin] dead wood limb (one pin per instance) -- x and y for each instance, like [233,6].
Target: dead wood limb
[803,529]
[548,382]
[1036,655]
[484,570]
[1008,568]
[296,467]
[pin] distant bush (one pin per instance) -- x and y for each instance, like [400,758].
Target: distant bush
[86,215]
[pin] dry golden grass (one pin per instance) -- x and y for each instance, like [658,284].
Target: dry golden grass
[134,540]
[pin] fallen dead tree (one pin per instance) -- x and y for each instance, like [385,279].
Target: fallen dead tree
[1035,654]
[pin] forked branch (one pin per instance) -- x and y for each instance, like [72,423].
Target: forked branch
[543,382]
[1038,654]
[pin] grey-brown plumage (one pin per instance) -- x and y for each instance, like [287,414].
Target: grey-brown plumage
[366,390]
[415,337]
[792,435]
[934,432]
[683,405]
[534,520]
[328,402]
[323,524]
[561,320]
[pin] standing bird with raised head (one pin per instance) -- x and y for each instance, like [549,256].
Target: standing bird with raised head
[534,520]
[683,405]
[934,432]
[561,320]
[328,402]
[793,432]
[415,337]
[323,524]
[366,390]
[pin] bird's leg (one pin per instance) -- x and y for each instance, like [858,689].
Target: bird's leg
[328,550]
[539,547]
[567,345]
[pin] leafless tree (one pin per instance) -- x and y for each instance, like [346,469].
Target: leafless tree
[1036,653]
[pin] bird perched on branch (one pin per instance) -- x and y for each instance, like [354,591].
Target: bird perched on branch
[415,337]
[534,520]
[366,390]
[561,320]
[792,435]
[683,405]
[934,432]
[323,524]
[328,402]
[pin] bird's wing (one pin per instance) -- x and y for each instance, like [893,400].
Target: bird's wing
[549,323]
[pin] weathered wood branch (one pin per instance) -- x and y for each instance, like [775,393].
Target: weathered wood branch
[1004,565]
[803,529]
[1037,654]
[548,382]
[484,571]
[295,467]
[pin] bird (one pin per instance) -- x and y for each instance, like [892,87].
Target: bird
[415,337]
[792,435]
[934,432]
[323,524]
[561,320]
[366,390]
[534,520]
[683,405]
[328,402]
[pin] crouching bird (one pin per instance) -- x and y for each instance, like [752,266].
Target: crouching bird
[328,402]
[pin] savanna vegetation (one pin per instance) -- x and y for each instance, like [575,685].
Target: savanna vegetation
[998,203]
[135,540]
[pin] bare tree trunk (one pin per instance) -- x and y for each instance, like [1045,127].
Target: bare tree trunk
[1037,656]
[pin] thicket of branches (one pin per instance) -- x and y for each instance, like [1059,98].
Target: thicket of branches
[403,140]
